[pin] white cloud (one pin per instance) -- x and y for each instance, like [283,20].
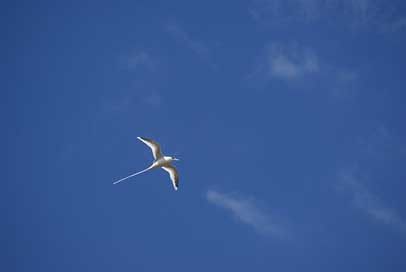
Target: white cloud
[198,47]
[283,67]
[286,62]
[130,99]
[153,100]
[377,150]
[291,63]
[140,59]
[247,212]
[299,67]
[142,89]
[350,13]
[343,83]
[369,203]
[397,25]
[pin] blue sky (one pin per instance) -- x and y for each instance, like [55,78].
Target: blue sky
[288,118]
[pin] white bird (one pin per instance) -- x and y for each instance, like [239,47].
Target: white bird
[160,161]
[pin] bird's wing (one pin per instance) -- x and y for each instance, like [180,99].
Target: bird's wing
[173,173]
[156,149]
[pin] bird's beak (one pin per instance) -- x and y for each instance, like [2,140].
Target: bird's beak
[176,159]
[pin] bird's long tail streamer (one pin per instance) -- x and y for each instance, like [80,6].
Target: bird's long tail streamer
[120,180]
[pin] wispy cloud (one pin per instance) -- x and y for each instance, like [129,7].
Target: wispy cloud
[350,13]
[291,63]
[362,198]
[285,62]
[376,150]
[140,59]
[397,25]
[184,38]
[246,211]
[131,99]
[343,83]
[379,143]
[142,87]
[153,100]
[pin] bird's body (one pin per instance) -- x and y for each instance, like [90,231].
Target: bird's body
[165,160]
[160,161]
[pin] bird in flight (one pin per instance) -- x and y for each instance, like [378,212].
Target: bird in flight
[160,161]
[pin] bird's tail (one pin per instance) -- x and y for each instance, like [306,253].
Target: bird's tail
[120,180]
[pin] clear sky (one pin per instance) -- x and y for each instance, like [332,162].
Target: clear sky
[287,117]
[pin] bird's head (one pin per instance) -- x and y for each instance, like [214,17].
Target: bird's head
[174,159]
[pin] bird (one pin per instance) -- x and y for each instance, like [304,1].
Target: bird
[160,161]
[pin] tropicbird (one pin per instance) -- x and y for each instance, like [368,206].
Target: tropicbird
[160,161]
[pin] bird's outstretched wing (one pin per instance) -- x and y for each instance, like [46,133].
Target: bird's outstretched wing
[173,173]
[156,149]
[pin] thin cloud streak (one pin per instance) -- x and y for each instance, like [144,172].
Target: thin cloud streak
[300,67]
[350,13]
[154,100]
[380,146]
[285,62]
[198,47]
[288,64]
[143,87]
[248,213]
[139,59]
[369,203]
